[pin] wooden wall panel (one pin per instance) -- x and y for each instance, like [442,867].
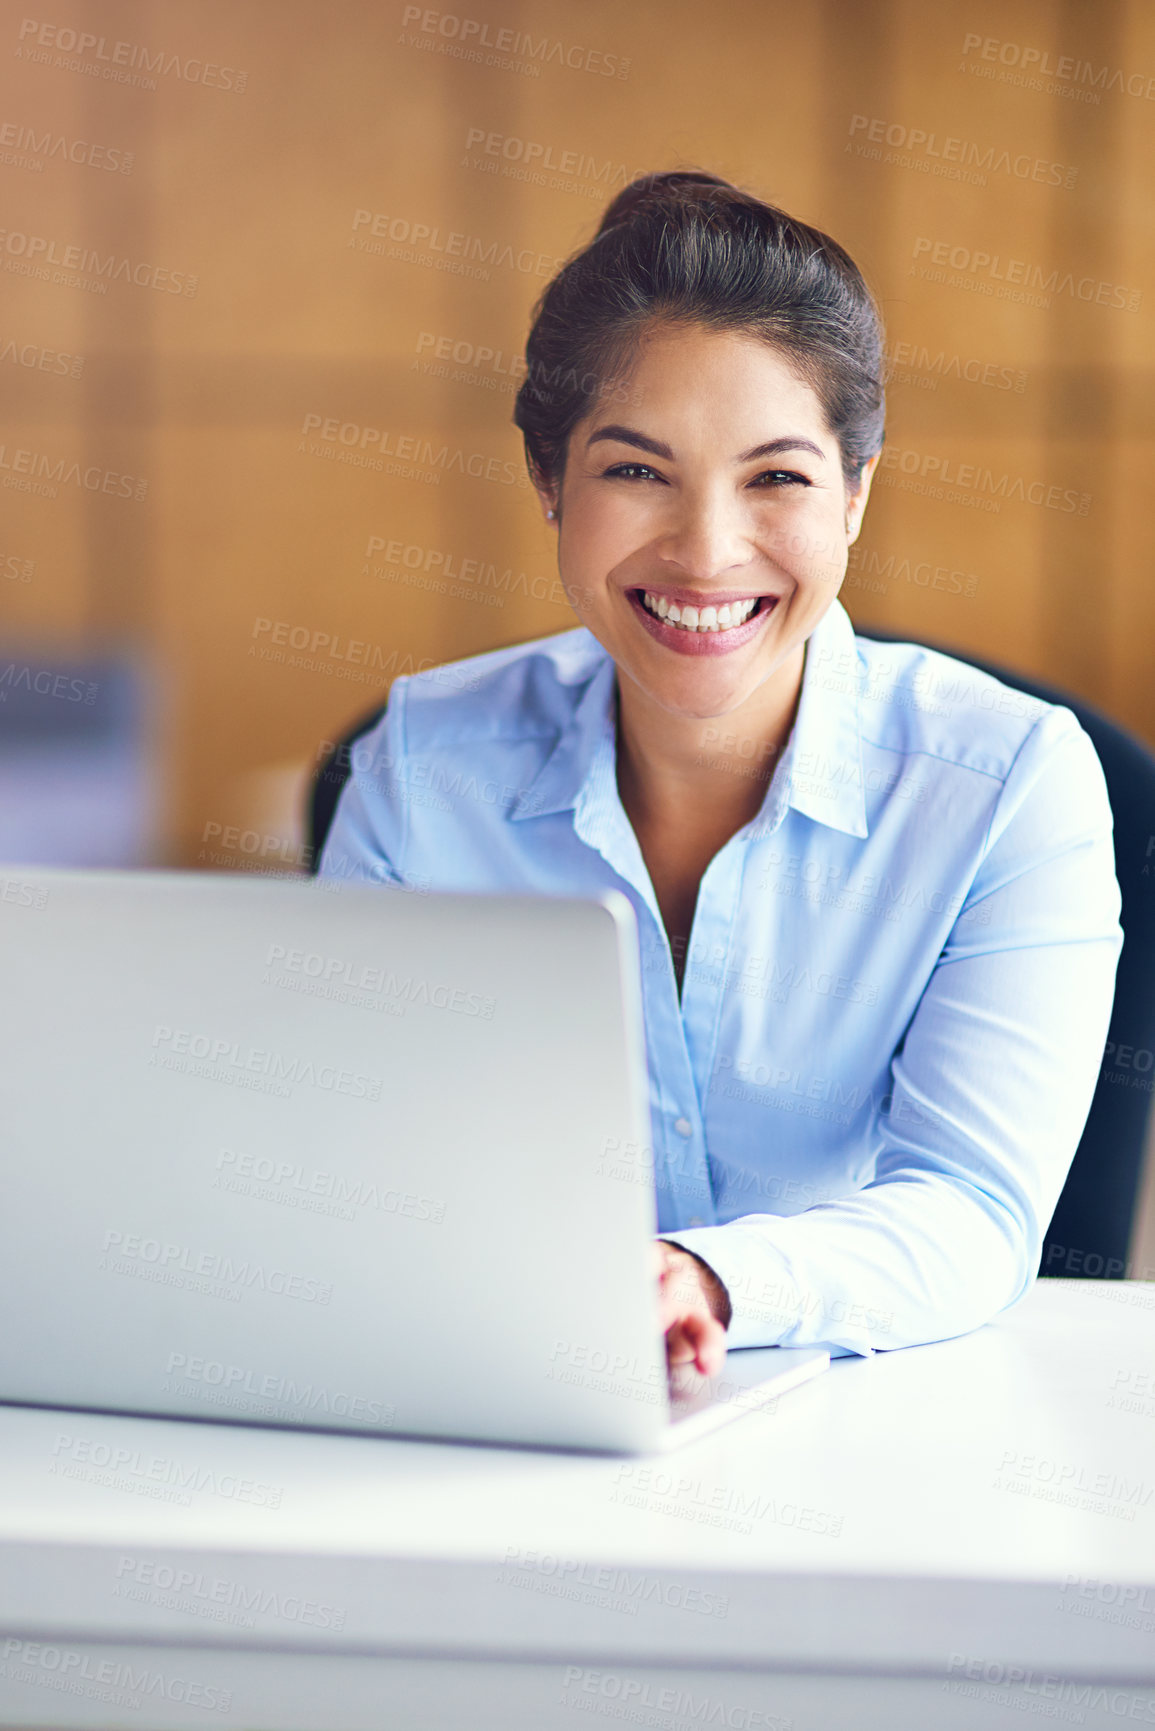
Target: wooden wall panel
[269,141]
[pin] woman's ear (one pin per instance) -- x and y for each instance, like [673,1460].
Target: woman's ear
[856,499]
[547,497]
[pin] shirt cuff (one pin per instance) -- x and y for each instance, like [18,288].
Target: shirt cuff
[764,1308]
[768,1306]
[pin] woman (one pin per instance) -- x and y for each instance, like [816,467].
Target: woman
[875,889]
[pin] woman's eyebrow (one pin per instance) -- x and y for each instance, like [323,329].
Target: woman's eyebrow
[772,448]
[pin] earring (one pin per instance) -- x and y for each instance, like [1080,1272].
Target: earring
[551,513]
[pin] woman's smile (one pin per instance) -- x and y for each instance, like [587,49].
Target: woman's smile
[692,623]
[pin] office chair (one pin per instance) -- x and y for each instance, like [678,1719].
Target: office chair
[336,767]
[1089,1235]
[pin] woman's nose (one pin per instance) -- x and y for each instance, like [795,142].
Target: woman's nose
[707,536]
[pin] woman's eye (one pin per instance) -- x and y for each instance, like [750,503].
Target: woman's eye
[782,477]
[628,470]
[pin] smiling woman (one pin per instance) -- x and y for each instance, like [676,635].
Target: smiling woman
[875,888]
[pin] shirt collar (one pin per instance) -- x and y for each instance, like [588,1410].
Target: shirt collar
[824,768]
[582,747]
[820,775]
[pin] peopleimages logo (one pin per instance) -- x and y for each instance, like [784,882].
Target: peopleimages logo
[469,37]
[116,1682]
[465,254]
[212,1266]
[22,893]
[645,1702]
[1026,1681]
[531,160]
[215,1596]
[123,63]
[37,148]
[992,488]
[162,1470]
[916,362]
[958,158]
[361,977]
[36,357]
[690,1498]
[46,682]
[1019,279]
[607,1586]
[1033,65]
[228,1060]
[330,1193]
[443,568]
[1119,1602]
[29,254]
[43,472]
[208,1378]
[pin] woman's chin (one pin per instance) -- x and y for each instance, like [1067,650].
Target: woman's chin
[698,698]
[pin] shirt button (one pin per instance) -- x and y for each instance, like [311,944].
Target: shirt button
[683,1127]
[695,1220]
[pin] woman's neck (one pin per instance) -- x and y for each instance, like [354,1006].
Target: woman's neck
[711,773]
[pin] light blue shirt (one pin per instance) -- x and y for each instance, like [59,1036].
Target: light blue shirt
[898,983]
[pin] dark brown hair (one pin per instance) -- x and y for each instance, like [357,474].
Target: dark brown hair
[687,247]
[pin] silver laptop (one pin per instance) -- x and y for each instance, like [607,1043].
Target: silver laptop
[333,1155]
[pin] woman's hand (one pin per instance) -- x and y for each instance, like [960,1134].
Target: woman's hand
[693,1305]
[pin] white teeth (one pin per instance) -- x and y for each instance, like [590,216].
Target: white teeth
[722,618]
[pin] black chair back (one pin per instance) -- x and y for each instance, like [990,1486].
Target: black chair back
[335,768]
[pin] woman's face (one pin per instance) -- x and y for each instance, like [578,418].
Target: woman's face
[713,488]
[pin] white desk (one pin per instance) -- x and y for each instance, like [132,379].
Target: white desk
[856,1557]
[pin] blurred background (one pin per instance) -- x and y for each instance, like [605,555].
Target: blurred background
[267,272]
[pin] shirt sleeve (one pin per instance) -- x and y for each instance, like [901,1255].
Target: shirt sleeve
[366,839]
[991,1085]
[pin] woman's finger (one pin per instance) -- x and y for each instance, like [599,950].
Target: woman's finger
[701,1338]
[679,1347]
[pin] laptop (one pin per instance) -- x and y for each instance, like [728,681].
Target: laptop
[297,1152]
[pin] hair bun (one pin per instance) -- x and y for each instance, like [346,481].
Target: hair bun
[686,247]
[670,187]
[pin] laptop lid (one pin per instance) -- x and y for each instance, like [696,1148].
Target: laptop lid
[326,1154]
